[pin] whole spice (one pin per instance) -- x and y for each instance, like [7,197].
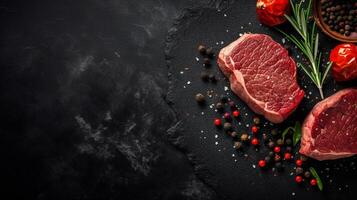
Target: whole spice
[255,142]
[344,62]
[288,142]
[256,120]
[232,105]
[274,132]
[200,98]
[288,149]
[227,116]
[267,159]
[271,154]
[227,126]
[262,163]
[219,106]
[271,144]
[235,113]
[254,129]
[280,142]
[234,134]
[307,174]
[244,137]
[238,145]
[299,171]
[265,137]
[298,179]
[217,122]
[271,12]
[202,49]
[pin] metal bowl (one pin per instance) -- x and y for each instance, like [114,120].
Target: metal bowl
[326,29]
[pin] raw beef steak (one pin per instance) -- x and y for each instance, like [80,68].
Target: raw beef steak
[263,75]
[330,130]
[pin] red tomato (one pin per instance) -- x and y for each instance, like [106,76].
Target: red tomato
[271,12]
[344,58]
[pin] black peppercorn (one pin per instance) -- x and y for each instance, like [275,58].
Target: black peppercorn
[204,76]
[206,62]
[256,120]
[232,105]
[307,174]
[200,98]
[234,134]
[274,132]
[288,141]
[280,142]
[271,144]
[219,107]
[227,126]
[202,49]
[237,145]
[265,137]
[299,171]
[209,52]
[288,149]
[271,154]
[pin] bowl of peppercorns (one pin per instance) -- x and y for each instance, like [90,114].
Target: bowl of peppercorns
[337,18]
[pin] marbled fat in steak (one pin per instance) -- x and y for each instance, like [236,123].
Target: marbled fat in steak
[330,130]
[263,75]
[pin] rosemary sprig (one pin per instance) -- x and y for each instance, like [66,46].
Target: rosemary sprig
[308,42]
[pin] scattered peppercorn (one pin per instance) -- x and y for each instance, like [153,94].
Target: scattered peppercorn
[227,116]
[254,129]
[265,137]
[204,76]
[244,137]
[288,149]
[287,156]
[277,158]
[206,62]
[307,174]
[271,154]
[235,113]
[256,120]
[200,98]
[262,163]
[224,99]
[298,179]
[298,162]
[255,141]
[209,52]
[237,145]
[276,149]
[313,182]
[271,144]
[227,126]
[234,134]
[217,122]
[202,49]
[299,171]
[280,142]
[219,106]
[288,142]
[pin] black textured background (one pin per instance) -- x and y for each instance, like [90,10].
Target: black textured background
[84,110]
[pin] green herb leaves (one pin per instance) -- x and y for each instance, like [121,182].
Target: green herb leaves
[314,174]
[296,133]
[308,42]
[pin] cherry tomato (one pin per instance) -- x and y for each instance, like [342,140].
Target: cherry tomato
[255,141]
[298,163]
[276,149]
[262,163]
[217,122]
[254,129]
[313,182]
[298,179]
[344,58]
[271,12]
[236,113]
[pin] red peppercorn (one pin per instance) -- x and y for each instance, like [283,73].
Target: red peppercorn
[217,122]
[298,162]
[287,156]
[298,179]
[262,163]
[236,113]
[313,182]
[227,116]
[254,129]
[276,149]
[255,141]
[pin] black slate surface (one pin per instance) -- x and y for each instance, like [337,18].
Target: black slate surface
[85,112]
[235,173]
